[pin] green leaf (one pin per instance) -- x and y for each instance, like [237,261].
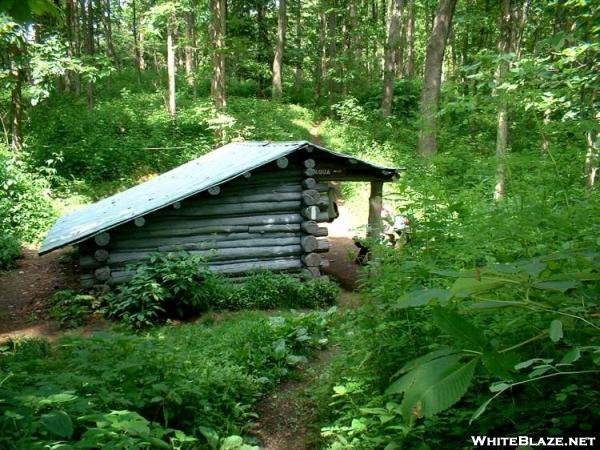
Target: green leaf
[465,287]
[415,363]
[499,364]
[535,268]
[556,330]
[438,390]
[571,356]
[58,423]
[529,362]
[403,384]
[556,285]
[423,297]
[499,387]
[479,411]
[458,327]
[211,436]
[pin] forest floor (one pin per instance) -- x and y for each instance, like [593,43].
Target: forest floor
[24,293]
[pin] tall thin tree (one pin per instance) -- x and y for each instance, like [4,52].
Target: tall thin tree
[430,95]
[512,23]
[410,39]
[217,34]
[389,59]
[171,66]
[277,89]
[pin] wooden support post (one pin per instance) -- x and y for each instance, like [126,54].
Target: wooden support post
[375,225]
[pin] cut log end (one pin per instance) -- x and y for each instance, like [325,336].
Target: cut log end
[283,162]
[311,197]
[102,274]
[139,222]
[309,183]
[102,239]
[312,259]
[215,190]
[310,163]
[101,255]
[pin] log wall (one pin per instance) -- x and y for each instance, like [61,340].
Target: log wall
[265,219]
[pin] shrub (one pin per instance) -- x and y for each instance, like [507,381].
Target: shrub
[25,208]
[9,250]
[72,309]
[178,285]
[170,286]
[160,390]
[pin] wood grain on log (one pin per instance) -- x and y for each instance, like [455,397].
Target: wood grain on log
[233,209]
[215,244]
[277,265]
[270,231]
[224,254]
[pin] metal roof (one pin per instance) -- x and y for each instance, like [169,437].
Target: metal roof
[219,166]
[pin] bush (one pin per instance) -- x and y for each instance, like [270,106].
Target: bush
[25,208]
[162,390]
[10,248]
[170,286]
[178,285]
[72,309]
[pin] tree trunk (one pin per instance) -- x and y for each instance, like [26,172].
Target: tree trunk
[511,29]
[278,59]
[108,30]
[136,46]
[89,47]
[171,67]
[410,37]
[321,67]
[593,151]
[217,33]
[298,70]
[190,51]
[17,107]
[262,54]
[430,95]
[332,54]
[389,58]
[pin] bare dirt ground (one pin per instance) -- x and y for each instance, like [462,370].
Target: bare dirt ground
[286,414]
[24,291]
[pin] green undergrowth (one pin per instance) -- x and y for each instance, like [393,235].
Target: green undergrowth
[486,322]
[179,286]
[186,386]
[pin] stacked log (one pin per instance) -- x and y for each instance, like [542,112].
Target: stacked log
[265,219]
[314,210]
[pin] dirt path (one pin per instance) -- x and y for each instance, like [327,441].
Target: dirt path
[25,289]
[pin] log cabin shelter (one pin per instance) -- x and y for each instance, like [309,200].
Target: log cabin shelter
[246,206]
